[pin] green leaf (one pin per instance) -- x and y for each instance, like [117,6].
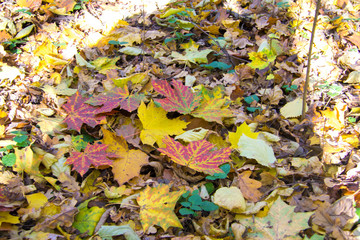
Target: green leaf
[195,207]
[216,64]
[195,199]
[251,98]
[108,232]
[209,206]
[186,211]
[20,138]
[226,169]
[87,218]
[185,204]
[78,142]
[9,159]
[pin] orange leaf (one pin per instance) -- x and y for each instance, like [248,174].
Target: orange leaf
[249,187]
[130,162]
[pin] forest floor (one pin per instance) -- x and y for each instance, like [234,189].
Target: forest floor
[181,120]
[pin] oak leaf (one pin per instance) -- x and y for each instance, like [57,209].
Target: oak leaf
[117,97]
[199,155]
[178,97]
[157,205]
[95,155]
[156,125]
[79,112]
[129,164]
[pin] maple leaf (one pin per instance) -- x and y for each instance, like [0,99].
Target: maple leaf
[213,110]
[131,161]
[79,112]
[280,223]
[156,125]
[157,205]
[95,155]
[115,98]
[198,155]
[179,98]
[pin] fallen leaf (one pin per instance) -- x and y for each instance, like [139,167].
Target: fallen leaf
[199,155]
[79,112]
[117,97]
[87,218]
[95,155]
[292,109]
[156,125]
[249,187]
[213,110]
[157,205]
[243,129]
[256,149]
[130,162]
[230,198]
[178,97]
[281,222]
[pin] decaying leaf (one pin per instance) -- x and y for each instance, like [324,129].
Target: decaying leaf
[280,223]
[230,198]
[249,187]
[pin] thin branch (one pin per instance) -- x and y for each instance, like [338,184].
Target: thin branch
[306,85]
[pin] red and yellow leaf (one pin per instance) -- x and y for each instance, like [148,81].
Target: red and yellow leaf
[157,205]
[213,110]
[117,97]
[178,97]
[198,155]
[79,112]
[95,155]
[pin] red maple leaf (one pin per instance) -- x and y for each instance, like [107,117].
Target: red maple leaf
[95,155]
[115,98]
[178,97]
[198,155]
[79,112]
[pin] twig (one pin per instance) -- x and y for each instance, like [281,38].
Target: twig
[306,85]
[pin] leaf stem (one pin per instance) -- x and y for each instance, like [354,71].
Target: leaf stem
[306,85]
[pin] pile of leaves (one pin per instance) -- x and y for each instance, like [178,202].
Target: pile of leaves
[178,123]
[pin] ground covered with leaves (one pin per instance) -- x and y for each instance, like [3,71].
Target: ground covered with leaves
[179,120]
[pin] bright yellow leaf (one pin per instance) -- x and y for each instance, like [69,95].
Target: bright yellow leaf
[36,200]
[156,125]
[8,218]
[242,129]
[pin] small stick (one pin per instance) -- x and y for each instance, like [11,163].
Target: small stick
[306,85]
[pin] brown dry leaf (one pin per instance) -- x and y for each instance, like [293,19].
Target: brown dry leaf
[335,218]
[249,187]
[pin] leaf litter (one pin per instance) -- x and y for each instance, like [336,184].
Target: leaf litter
[178,120]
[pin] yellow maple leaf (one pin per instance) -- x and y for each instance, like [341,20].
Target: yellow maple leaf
[26,161]
[129,164]
[156,125]
[242,129]
[157,205]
